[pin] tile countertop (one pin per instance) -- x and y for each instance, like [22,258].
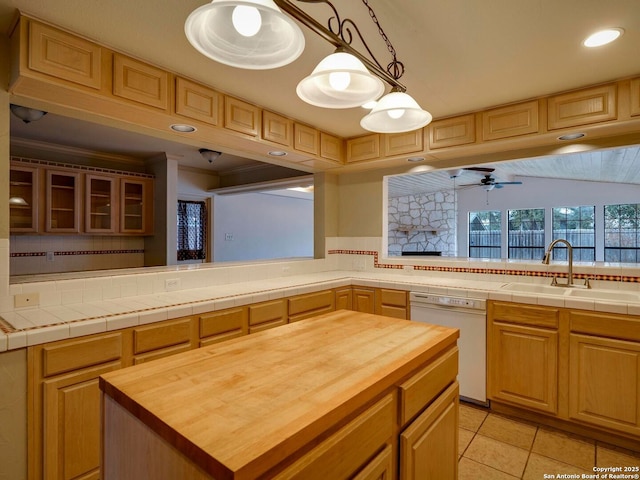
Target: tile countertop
[36,325]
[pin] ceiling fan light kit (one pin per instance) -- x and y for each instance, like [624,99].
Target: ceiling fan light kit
[262,34]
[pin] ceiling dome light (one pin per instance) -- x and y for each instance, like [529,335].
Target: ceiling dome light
[340,80]
[26,114]
[251,34]
[182,128]
[603,37]
[571,136]
[396,112]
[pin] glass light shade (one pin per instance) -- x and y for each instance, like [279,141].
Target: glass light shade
[17,201]
[250,34]
[340,81]
[396,112]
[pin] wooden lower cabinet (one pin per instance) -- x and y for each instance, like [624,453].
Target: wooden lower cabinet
[63,393]
[344,298]
[64,405]
[575,369]
[392,303]
[364,300]
[522,355]
[604,382]
[429,446]
[524,366]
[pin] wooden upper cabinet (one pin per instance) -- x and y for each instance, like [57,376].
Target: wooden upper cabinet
[451,132]
[363,148]
[635,97]
[198,102]
[241,116]
[510,121]
[65,56]
[100,204]
[331,147]
[136,206]
[306,139]
[403,143]
[277,129]
[63,202]
[583,107]
[140,82]
[23,184]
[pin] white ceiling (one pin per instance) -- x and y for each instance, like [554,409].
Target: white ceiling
[459,55]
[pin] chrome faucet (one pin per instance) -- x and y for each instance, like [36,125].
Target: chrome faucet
[547,257]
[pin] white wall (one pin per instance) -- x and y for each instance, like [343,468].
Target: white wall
[263,226]
[542,193]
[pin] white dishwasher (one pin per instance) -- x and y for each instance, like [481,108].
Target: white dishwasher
[468,315]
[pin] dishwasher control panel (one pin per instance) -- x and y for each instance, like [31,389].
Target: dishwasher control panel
[447,301]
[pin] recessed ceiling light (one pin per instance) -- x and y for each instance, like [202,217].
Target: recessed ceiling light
[183,128]
[415,159]
[277,153]
[602,37]
[571,136]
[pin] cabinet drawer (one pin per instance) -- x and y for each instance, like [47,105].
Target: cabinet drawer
[421,389]
[267,315]
[224,324]
[167,334]
[304,306]
[161,353]
[612,326]
[77,354]
[523,314]
[347,451]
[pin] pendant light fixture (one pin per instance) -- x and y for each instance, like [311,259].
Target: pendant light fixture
[262,34]
[396,112]
[251,34]
[340,81]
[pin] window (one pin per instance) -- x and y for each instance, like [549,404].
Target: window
[526,233]
[621,234]
[485,234]
[577,226]
[192,228]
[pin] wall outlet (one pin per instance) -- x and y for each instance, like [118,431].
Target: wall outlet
[228,237]
[26,300]
[172,284]
[49,256]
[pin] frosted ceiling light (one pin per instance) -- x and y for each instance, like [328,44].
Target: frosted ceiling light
[251,34]
[396,112]
[603,37]
[340,81]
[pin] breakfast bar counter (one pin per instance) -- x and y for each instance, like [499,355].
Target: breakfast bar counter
[341,395]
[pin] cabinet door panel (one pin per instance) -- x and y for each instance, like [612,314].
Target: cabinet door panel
[23,184]
[63,202]
[523,366]
[429,446]
[364,300]
[604,382]
[71,437]
[100,204]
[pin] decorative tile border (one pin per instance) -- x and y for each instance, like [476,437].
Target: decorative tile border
[485,271]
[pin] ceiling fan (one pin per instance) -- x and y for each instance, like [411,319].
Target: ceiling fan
[489,183]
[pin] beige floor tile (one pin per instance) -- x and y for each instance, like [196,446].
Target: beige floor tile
[471,418]
[610,456]
[576,451]
[464,439]
[509,431]
[538,466]
[498,455]
[470,470]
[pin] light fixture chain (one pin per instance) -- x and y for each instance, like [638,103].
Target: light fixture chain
[395,68]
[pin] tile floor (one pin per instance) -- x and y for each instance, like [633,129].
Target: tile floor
[494,447]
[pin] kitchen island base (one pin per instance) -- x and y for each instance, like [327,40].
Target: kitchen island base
[342,395]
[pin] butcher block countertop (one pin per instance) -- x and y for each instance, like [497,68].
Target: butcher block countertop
[239,408]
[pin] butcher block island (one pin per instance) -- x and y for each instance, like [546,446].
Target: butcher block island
[341,395]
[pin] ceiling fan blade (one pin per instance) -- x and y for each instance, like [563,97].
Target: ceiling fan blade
[480,169]
[508,183]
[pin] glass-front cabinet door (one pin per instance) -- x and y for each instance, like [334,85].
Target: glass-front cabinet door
[100,204]
[23,197]
[135,206]
[63,202]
